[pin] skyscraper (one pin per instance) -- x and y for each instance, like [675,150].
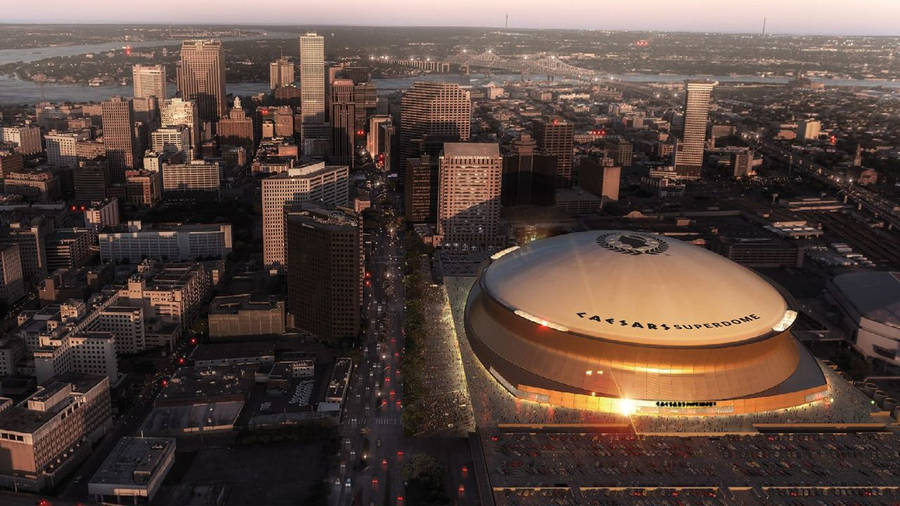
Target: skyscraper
[528,176]
[420,189]
[343,124]
[469,196]
[176,111]
[281,73]
[201,77]
[554,136]
[118,137]
[432,113]
[149,81]
[689,150]
[324,280]
[328,185]
[312,78]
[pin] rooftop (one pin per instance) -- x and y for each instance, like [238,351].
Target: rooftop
[490,149]
[875,294]
[134,460]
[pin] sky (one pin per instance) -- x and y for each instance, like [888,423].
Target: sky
[838,17]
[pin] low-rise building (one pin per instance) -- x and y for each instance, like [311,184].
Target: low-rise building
[133,472]
[245,315]
[134,242]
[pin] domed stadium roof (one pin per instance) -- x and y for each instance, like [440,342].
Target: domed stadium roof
[636,288]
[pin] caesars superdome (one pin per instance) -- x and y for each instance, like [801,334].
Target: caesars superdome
[637,323]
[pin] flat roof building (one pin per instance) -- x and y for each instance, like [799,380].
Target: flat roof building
[245,315]
[133,471]
[177,242]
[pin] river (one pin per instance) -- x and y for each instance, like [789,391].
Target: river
[16,91]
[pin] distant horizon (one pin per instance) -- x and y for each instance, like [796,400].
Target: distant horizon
[511,29]
[800,17]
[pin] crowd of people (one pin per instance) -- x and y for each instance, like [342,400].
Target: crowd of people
[629,460]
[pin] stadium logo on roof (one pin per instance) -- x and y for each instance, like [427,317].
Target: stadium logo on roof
[632,243]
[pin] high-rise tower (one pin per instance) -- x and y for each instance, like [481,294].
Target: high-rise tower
[201,77]
[689,150]
[149,81]
[312,78]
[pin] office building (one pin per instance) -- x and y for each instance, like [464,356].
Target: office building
[197,177]
[529,175]
[67,248]
[61,149]
[312,78]
[149,81]
[237,129]
[30,237]
[143,187]
[100,214]
[281,73]
[174,292]
[175,112]
[91,180]
[325,271]
[689,149]
[27,138]
[201,77]
[469,196]
[245,315]
[12,282]
[379,139]
[122,150]
[343,122]
[325,185]
[420,189]
[51,432]
[166,241]
[171,139]
[133,471]
[40,185]
[554,136]
[431,114]
[11,161]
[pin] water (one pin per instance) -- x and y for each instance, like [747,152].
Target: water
[15,91]
[33,54]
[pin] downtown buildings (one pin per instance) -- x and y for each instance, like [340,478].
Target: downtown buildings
[281,73]
[554,136]
[172,242]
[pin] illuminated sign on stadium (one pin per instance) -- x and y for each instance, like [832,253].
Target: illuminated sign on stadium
[670,326]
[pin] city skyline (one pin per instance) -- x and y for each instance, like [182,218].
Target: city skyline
[828,17]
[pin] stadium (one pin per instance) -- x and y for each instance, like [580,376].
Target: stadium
[637,323]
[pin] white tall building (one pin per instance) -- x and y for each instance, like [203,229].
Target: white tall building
[326,185]
[149,81]
[312,78]
[469,196]
[61,151]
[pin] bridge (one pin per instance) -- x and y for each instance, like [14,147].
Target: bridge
[525,64]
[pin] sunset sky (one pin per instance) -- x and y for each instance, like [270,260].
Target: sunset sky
[865,17]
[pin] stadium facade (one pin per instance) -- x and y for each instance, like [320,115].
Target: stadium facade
[638,323]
